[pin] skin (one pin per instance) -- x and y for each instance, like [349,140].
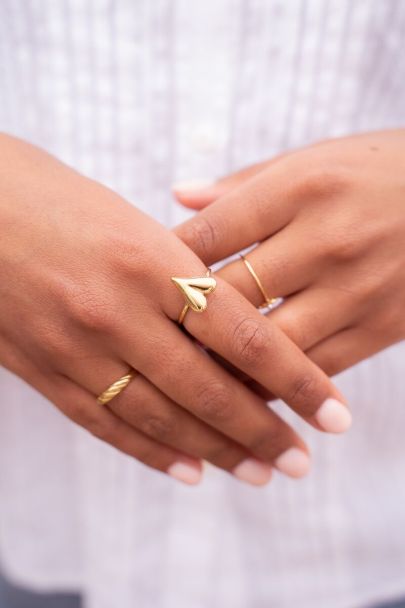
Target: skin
[86,294]
[329,221]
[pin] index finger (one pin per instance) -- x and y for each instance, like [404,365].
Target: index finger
[258,208]
[261,206]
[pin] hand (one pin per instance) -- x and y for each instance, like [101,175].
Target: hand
[330,220]
[86,293]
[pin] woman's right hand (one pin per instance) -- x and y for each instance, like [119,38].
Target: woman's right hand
[86,294]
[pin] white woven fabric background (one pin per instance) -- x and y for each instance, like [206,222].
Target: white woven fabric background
[140,94]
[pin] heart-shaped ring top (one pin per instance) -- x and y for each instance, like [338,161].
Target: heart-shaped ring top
[195,289]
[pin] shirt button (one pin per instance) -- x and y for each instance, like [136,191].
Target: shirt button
[204,138]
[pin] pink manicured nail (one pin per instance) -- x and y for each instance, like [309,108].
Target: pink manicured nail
[333,416]
[253,471]
[185,472]
[293,462]
[192,186]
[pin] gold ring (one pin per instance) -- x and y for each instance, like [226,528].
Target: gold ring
[195,290]
[267,300]
[115,388]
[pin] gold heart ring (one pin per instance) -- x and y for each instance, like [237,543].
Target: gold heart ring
[194,291]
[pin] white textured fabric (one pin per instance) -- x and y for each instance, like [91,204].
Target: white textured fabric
[139,94]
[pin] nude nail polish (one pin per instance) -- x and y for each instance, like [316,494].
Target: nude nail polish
[253,471]
[192,186]
[333,416]
[185,472]
[293,462]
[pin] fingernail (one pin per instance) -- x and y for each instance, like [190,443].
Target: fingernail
[293,462]
[333,416]
[192,186]
[253,471]
[185,472]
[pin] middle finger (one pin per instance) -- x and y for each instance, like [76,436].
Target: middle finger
[189,377]
[234,329]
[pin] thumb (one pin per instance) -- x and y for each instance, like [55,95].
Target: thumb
[200,193]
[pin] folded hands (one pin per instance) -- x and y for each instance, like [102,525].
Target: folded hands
[86,293]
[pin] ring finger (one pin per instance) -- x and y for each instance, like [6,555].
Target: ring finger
[282,265]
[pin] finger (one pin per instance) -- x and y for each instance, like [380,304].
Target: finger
[197,194]
[261,206]
[346,348]
[310,318]
[233,328]
[81,407]
[314,314]
[95,371]
[307,318]
[187,375]
[148,410]
[254,386]
[145,407]
[282,265]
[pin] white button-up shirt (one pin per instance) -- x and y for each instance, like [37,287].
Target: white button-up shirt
[140,95]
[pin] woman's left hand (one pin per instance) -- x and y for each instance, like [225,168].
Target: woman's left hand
[330,223]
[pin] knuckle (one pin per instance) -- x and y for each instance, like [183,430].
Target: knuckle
[159,426]
[128,259]
[140,407]
[214,402]
[344,245]
[346,238]
[325,181]
[250,341]
[302,392]
[371,284]
[79,413]
[89,310]
[268,443]
[201,235]
[225,455]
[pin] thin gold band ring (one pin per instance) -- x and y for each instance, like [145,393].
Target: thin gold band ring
[116,387]
[267,300]
[183,313]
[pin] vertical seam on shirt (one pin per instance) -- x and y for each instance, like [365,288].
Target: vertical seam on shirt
[295,76]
